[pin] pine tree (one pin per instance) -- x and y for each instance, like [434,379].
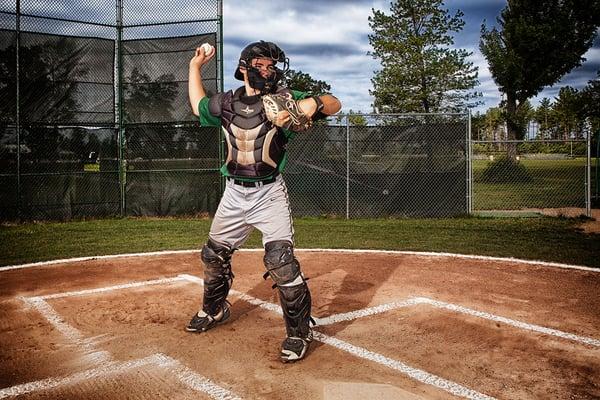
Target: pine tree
[421,72]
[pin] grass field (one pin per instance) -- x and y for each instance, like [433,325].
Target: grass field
[555,183]
[540,238]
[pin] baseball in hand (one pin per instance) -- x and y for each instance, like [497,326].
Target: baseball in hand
[208,49]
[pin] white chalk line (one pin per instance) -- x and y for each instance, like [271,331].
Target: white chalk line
[365,312]
[195,381]
[252,300]
[67,330]
[185,375]
[426,378]
[50,383]
[111,288]
[508,321]
[456,308]
[414,373]
[360,251]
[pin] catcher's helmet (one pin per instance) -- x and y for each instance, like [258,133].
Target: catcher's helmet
[267,50]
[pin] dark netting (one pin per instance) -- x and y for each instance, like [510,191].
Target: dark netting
[8,173]
[316,174]
[8,80]
[69,172]
[394,166]
[85,150]
[169,193]
[415,167]
[172,170]
[155,74]
[66,80]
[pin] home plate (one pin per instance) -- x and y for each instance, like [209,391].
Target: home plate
[360,391]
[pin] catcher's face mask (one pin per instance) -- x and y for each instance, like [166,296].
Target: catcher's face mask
[253,59]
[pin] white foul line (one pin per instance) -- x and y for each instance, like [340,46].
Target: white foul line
[185,375]
[414,373]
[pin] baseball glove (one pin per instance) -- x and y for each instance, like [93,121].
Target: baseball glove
[275,103]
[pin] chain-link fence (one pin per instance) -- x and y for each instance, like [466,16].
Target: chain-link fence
[94,116]
[533,174]
[95,122]
[426,166]
[364,166]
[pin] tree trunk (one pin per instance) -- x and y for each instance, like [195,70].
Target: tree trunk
[511,126]
[424,91]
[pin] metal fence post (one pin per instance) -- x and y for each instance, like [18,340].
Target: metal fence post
[588,173]
[347,166]
[119,110]
[469,166]
[18,109]
[221,89]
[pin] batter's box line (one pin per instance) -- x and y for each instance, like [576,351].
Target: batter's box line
[414,373]
[459,309]
[185,375]
[40,303]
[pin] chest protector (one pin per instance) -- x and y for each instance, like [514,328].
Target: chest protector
[255,146]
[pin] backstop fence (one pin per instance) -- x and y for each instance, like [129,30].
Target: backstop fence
[94,116]
[95,122]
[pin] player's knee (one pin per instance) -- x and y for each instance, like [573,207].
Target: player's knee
[281,264]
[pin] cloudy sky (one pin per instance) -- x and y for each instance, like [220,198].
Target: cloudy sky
[329,40]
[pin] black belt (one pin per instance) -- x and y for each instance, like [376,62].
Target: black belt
[253,183]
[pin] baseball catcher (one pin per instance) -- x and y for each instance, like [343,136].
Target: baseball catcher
[258,120]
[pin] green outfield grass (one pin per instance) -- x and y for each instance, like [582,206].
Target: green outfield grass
[555,183]
[540,238]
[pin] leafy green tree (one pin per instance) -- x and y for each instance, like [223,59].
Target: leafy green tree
[299,80]
[494,123]
[477,126]
[590,102]
[544,116]
[355,118]
[420,72]
[568,112]
[537,42]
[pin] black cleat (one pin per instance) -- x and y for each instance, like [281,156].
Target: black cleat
[201,322]
[295,348]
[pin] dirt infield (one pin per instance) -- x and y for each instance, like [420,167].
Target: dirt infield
[390,326]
